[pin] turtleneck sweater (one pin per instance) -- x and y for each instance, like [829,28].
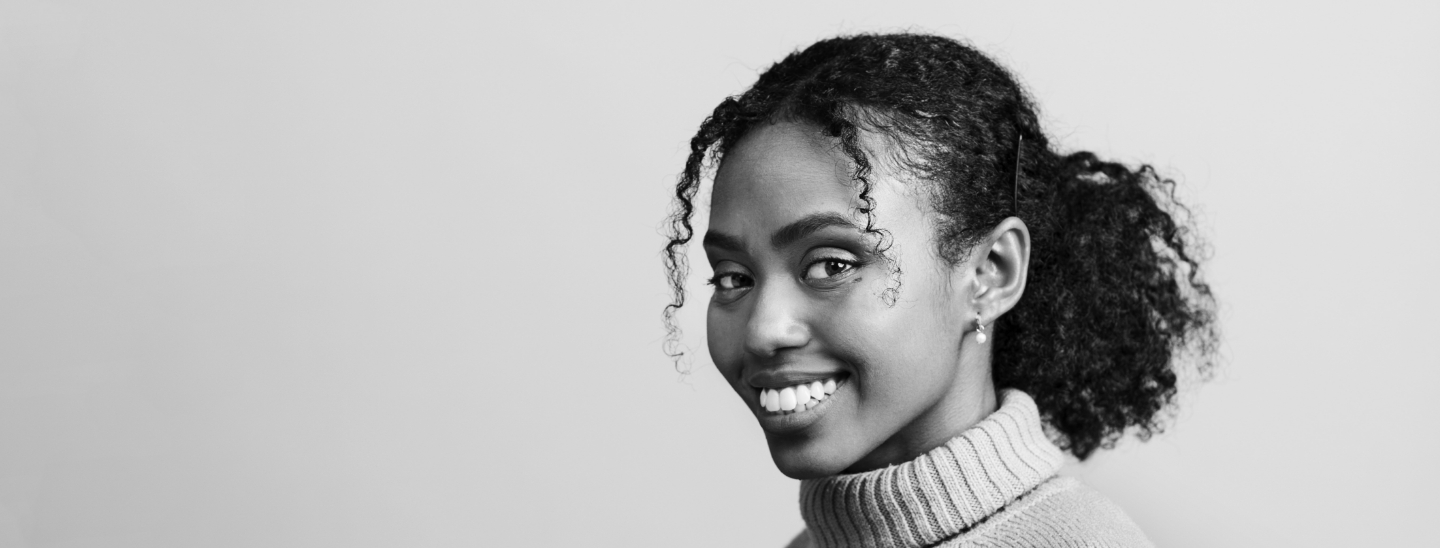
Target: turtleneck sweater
[993,485]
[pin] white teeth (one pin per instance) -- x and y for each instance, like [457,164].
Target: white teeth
[796,398]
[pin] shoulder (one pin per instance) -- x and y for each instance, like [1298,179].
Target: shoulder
[1060,512]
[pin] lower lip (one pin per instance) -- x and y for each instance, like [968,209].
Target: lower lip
[783,423]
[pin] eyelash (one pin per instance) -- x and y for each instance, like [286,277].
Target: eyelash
[851,267]
[715,280]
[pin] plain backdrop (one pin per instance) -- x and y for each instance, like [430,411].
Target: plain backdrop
[386,273]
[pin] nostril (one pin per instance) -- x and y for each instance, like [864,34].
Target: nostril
[767,340]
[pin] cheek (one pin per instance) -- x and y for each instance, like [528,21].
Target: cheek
[724,338]
[914,343]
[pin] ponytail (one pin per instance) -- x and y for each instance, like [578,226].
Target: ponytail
[1113,299]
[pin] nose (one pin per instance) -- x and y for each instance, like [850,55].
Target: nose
[777,321]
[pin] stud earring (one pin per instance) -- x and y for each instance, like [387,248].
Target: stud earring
[980,336]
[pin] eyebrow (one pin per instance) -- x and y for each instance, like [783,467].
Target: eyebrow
[787,234]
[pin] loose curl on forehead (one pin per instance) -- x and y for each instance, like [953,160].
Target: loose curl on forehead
[1114,296]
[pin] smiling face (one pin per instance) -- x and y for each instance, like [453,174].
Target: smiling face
[839,379]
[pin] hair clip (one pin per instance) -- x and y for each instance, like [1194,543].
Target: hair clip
[1015,186]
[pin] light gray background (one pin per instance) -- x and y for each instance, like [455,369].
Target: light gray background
[385,273]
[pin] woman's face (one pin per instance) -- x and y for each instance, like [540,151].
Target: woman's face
[840,379]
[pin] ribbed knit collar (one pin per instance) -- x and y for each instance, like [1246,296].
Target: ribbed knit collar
[939,494]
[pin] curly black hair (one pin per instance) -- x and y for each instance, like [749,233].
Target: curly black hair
[1114,297]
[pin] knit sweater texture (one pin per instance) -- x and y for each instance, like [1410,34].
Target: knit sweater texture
[993,485]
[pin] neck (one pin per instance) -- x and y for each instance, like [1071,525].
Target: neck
[966,403]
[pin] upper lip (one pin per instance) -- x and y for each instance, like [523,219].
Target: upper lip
[782,378]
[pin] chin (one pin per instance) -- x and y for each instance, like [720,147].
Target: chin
[805,459]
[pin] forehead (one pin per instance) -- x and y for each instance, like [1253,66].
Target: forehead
[785,171]
[780,171]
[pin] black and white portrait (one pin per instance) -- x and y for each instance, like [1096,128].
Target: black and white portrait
[938,274]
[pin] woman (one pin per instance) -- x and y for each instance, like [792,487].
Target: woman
[925,305]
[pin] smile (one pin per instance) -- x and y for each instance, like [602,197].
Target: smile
[796,399]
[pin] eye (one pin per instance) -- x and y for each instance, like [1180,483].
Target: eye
[828,268]
[731,280]
[725,281]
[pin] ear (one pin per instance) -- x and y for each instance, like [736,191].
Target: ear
[1001,262]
